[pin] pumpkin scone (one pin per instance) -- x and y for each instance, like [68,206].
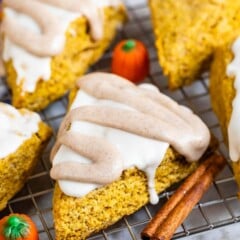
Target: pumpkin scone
[49,43]
[187,31]
[225,97]
[22,140]
[117,148]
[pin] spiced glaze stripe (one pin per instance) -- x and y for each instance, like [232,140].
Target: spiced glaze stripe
[50,41]
[158,116]
[110,107]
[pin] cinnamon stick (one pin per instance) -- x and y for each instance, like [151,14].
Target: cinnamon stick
[177,208]
[151,228]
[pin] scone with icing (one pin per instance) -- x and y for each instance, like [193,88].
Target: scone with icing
[225,97]
[47,44]
[22,139]
[187,31]
[117,148]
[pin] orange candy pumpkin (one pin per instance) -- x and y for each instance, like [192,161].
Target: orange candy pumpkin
[130,60]
[18,227]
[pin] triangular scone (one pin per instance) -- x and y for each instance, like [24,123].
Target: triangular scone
[113,136]
[224,90]
[22,140]
[187,31]
[42,67]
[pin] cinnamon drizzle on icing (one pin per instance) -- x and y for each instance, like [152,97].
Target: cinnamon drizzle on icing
[131,110]
[50,40]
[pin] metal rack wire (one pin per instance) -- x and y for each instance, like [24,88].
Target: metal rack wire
[218,207]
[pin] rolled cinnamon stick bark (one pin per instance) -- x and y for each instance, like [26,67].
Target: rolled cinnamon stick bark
[174,212]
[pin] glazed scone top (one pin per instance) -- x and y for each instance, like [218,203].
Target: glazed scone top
[50,41]
[34,30]
[114,125]
[16,126]
[233,70]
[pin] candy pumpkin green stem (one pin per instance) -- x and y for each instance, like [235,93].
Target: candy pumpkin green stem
[15,228]
[129,45]
[18,227]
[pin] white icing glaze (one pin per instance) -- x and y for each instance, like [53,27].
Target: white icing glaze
[144,153]
[233,70]
[28,65]
[104,3]
[15,127]
[116,125]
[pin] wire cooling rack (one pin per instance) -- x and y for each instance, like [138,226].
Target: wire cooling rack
[217,208]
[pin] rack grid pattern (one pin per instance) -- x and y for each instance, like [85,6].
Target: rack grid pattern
[218,207]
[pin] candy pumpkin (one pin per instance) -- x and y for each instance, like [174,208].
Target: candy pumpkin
[130,60]
[17,227]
